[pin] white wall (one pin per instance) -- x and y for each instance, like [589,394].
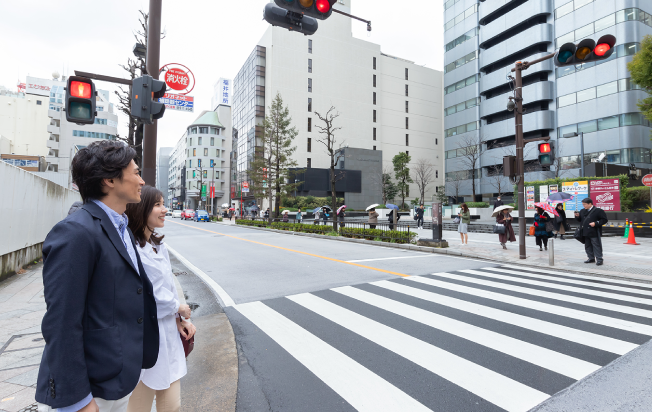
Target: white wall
[24,122]
[29,207]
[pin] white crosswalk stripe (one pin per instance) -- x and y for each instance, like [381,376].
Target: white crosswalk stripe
[594,336]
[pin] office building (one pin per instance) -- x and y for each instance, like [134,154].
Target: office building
[162,171]
[385,103]
[482,42]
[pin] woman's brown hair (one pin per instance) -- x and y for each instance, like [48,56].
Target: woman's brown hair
[464,207]
[138,214]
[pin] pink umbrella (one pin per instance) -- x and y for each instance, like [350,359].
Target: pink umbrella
[547,208]
[341,207]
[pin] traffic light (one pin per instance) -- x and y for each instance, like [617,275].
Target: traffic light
[319,9]
[281,17]
[80,100]
[145,92]
[586,51]
[546,153]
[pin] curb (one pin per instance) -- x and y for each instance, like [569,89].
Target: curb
[448,252]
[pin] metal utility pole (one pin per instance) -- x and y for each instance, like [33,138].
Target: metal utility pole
[153,65]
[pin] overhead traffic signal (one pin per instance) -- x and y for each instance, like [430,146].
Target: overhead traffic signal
[145,92]
[546,153]
[80,100]
[293,21]
[588,50]
[319,9]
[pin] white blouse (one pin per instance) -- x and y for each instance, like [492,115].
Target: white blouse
[171,363]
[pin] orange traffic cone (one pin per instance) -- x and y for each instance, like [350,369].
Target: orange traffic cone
[632,239]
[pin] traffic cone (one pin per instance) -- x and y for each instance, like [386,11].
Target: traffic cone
[631,240]
[626,235]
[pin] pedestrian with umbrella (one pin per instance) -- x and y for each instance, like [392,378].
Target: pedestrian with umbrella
[324,214]
[316,212]
[286,216]
[392,222]
[543,225]
[504,225]
[341,214]
[561,222]
[373,215]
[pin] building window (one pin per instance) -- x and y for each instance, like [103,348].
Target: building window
[215,130]
[199,139]
[206,152]
[309,163]
[407,122]
[436,142]
[309,46]
[374,116]
[374,147]
[193,130]
[374,63]
[217,152]
[374,133]
[406,90]
[198,162]
[436,174]
[310,85]
[309,145]
[406,74]
[374,97]
[194,152]
[203,130]
[309,65]
[310,104]
[374,80]
[191,141]
[205,174]
[190,163]
[407,139]
[407,107]
[309,124]
[212,141]
[407,152]
[38,102]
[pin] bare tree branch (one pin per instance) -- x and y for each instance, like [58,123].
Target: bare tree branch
[423,176]
[333,150]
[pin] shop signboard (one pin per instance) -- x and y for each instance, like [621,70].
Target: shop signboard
[543,194]
[178,102]
[529,191]
[606,194]
[579,190]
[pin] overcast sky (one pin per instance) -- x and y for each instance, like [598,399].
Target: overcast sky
[212,37]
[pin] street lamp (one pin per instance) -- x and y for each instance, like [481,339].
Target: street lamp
[581,135]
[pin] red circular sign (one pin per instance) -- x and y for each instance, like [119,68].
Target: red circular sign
[647,180]
[177,79]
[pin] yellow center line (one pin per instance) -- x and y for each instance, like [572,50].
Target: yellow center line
[295,251]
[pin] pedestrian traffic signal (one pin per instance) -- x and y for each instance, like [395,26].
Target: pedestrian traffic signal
[546,154]
[145,95]
[588,50]
[80,100]
[281,17]
[319,9]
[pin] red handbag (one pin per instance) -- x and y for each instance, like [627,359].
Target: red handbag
[188,345]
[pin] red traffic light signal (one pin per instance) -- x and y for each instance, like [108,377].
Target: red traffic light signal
[588,50]
[81,89]
[319,9]
[80,100]
[323,6]
[546,154]
[545,148]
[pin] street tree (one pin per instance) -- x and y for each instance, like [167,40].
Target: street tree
[402,175]
[641,70]
[469,153]
[496,180]
[423,176]
[390,190]
[269,170]
[454,181]
[333,150]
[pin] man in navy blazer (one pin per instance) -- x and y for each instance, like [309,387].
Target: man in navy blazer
[100,328]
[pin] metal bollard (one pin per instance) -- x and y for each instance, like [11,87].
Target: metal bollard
[551,252]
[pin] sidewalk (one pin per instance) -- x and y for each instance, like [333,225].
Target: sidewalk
[212,365]
[619,259]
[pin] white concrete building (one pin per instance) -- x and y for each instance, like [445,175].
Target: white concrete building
[385,102]
[176,174]
[162,171]
[23,123]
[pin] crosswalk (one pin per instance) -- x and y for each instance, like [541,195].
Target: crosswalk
[492,339]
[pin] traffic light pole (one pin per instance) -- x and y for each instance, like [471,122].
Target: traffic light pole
[520,144]
[153,65]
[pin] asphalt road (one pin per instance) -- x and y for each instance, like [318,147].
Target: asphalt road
[330,326]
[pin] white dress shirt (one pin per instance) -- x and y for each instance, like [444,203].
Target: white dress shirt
[171,363]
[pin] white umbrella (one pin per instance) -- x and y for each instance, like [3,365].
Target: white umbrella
[375,205]
[286,211]
[225,205]
[500,209]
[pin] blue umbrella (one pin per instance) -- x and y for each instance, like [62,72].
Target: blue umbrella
[559,197]
[391,206]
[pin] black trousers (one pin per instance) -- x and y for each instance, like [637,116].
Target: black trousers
[593,247]
[542,241]
[420,222]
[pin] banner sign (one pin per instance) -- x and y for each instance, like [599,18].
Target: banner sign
[178,102]
[606,194]
[580,191]
[554,189]
[530,197]
[40,87]
[543,194]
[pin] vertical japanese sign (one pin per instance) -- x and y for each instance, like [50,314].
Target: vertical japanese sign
[543,194]
[606,194]
[222,92]
[529,191]
[580,191]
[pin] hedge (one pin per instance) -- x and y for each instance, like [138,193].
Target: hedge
[478,205]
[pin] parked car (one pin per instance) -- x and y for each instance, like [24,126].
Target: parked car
[187,214]
[176,213]
[168,213]
[201,216]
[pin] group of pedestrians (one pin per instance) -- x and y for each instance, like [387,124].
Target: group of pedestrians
[114,327]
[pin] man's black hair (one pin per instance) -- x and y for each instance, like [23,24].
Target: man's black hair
[588,201]
[101,160]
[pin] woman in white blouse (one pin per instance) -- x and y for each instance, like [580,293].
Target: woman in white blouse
[163,380]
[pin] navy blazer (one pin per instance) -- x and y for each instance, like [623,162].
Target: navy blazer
[100,328]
